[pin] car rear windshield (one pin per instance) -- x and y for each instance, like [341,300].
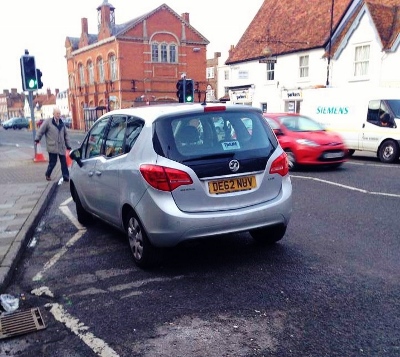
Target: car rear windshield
[208,134]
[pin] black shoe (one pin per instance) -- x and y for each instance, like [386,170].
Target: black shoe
[48,178]
[66,179]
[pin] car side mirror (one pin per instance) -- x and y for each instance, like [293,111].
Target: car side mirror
[278,132]
[76,156]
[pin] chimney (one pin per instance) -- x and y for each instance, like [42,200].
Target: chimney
[14,90]
[105,16]
[48,93]
[84,25]
[185,16]
[6,92]
[57,91]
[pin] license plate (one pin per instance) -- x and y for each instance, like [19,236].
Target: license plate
[333,155]
[232,185]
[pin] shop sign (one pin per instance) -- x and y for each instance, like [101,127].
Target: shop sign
[295,94]
[241,96]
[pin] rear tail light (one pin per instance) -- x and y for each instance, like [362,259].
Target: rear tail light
[280,165]
[164,178]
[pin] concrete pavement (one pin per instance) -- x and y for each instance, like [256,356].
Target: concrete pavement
[24,195]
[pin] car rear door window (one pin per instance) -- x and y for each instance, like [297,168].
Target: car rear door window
[92,145]
[115,140]
[134,128]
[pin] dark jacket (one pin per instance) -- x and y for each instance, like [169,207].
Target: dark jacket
[57,139]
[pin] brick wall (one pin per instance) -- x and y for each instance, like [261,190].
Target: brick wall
[153,81]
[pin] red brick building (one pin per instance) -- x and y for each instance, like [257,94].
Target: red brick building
[132,64]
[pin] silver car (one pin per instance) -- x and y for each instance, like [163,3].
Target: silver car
[165,174]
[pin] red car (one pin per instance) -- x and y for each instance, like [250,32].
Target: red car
[307,142]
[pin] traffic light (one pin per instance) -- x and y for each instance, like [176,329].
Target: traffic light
[180,91]
[189,91]
[39,78]
[28,73]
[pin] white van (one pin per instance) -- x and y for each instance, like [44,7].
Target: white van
[367,121]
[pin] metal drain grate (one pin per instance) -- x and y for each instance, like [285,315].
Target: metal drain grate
[20,323]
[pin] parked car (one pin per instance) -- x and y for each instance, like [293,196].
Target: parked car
[16,123]
[164,175]
[306,142]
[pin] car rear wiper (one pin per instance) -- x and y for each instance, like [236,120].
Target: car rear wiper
[213,156]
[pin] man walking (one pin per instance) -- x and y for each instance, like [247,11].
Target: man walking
[57,142]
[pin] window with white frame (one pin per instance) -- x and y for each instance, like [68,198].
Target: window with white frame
[243,75]
[71,82]
[164,52]
[226,75]
[113,67]
[100,70]
[303,66]
[270,71]
[361,60]
[210,72]
[172,53]
[81,74]
[154,52]
[91,72]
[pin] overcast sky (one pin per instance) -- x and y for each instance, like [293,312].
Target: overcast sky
[41,27]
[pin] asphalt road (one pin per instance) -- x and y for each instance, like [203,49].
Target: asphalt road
[329,288]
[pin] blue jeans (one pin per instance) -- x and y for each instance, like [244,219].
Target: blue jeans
[53,162]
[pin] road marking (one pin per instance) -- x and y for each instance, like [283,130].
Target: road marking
[100,347]
[66,202]
[57,256]
[71,217]
[65,209]
[43,290]
[386,166]
[347,187]
[140,283]
[97,345]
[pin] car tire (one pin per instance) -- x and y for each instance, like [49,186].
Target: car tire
[145,255]
[350,152]
[388,151]
[292,159]
[14,127]
[268,235]
[84,217]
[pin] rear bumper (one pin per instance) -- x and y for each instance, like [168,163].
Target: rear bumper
[166,225]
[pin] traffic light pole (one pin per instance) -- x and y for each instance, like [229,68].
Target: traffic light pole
[30,99]
[31,81]
[184,88]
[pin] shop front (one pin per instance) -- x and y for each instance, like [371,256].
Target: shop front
[242,95]
[292,100]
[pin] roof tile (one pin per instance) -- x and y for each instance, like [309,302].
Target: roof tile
[289,26]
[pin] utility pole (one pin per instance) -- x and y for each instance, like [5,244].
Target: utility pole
[329,46]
